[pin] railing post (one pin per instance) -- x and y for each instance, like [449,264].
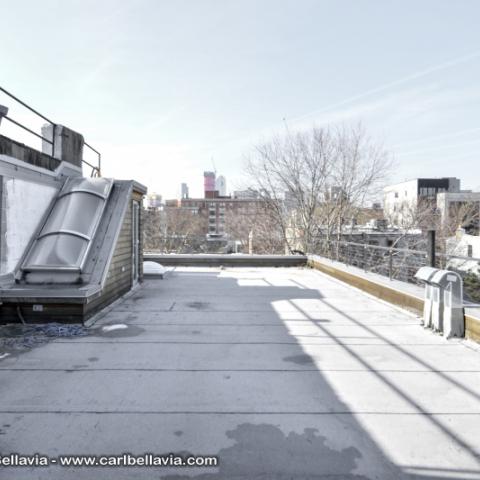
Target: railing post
[390,264]
[3,112]
[431,248]
[53,140]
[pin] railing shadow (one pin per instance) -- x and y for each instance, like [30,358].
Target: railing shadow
[266,450]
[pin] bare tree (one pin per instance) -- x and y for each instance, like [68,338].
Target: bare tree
[424,215]
[313,181]
[152,229]
[291,171]
[358,173]
[183,231]
[257,222]
[173,230]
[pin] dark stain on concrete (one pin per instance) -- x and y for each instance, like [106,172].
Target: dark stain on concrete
[198,305]
[92,359]
[178,433]
[196,332]
[264,452]
[302,359]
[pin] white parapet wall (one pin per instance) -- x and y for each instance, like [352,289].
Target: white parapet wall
[26,194]
[25,205]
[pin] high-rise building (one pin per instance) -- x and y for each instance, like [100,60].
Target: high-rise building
[209,184]
[183,191]
[221,186]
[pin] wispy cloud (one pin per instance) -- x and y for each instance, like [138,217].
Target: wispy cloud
[97,72]
[435,138]
[164,118]
[387,86]
[439,147]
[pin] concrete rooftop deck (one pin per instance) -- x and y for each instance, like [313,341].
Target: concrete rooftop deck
[282,373]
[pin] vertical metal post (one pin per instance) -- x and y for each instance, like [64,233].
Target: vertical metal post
[3,112]
[53,140]
[431,248]
[390,264]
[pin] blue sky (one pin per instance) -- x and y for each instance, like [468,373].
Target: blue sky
[162,87]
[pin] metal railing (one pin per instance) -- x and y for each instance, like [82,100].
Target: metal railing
[402,263]
[96,169]
[394,263]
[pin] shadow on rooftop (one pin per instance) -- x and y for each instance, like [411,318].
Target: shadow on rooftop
[333,445]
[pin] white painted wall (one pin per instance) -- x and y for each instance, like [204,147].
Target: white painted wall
[458,245]
[24,204]
[399,201]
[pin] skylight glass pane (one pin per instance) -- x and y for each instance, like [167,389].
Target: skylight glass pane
[71,226]
[57,250]
[87,209]
[101,186]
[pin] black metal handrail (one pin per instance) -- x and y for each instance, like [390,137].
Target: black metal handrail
[51,142]
[96,170]
[26,106]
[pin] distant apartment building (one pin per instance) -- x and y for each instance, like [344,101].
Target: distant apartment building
[153,201]
[401,201]
[215,212]
[246,194]
[464,204]
[336,194]
[215,208]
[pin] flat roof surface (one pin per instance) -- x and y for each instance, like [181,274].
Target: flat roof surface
[283,373]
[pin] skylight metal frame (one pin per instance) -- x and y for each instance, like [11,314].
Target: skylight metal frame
[69,189]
